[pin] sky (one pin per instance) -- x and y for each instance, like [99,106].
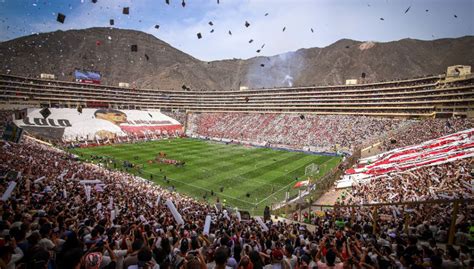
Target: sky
[330,20]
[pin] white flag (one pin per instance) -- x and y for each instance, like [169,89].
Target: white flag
[112,215]
[6,195]
[88,192]
[39,179]
[264,226]
[207,225]
[238,215]
[111,203]
[174,212]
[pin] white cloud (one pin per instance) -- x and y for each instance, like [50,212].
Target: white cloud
[330,19]
[298,20]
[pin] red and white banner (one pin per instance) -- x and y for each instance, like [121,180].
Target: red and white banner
[97,124]
[433,152]
[163,129]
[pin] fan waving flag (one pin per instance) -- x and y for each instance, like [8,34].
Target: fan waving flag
[300,184]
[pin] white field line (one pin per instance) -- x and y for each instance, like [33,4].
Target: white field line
[201,188]
[283,188]
[264,199]
[225,195]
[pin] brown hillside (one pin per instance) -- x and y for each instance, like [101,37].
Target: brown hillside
[108,51]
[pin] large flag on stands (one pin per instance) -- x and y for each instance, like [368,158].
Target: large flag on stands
[437,151]
[12,133]
[300,184]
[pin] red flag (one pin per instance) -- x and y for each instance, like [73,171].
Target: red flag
[300,184]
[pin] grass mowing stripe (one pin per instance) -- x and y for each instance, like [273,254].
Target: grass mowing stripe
[210,165]
[241,163]
[194,186]
[146,151]
[230,183]
[219,163]
[214,161]
[248,173]
[295,169]
[164,148]
[275,193]
[204,158]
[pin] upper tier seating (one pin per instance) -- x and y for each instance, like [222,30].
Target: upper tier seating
[414,97]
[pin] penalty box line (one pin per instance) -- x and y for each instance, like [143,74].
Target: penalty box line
[264,199]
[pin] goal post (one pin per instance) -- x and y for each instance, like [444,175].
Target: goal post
[311,170]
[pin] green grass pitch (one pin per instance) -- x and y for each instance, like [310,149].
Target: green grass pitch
[265,174]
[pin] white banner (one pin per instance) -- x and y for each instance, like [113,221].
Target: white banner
[260,221]
[88,181]
[111,203]
[38,180]
[207,225]
[174,212]
[87,189]
[8,192]
[112,215]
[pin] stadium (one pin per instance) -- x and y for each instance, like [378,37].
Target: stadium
[114,160]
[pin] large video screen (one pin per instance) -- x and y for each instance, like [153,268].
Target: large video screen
[87,76]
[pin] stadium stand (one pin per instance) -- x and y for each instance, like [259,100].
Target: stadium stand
[179,115]
[62,217]
[420,97]
[66,125]
[450,180]
[319,133]
[386,166]
[5,116]
[423,130]
[59,212]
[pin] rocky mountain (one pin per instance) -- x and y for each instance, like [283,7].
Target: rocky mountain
[157,65]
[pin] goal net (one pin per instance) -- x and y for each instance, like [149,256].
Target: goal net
[311,170]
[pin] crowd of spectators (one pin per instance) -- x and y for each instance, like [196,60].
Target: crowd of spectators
[179,115]
[64,213]
[325,133]
[416,132]
[5,116]
[127,138]
[451,181]
[446,181]
[51,205]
